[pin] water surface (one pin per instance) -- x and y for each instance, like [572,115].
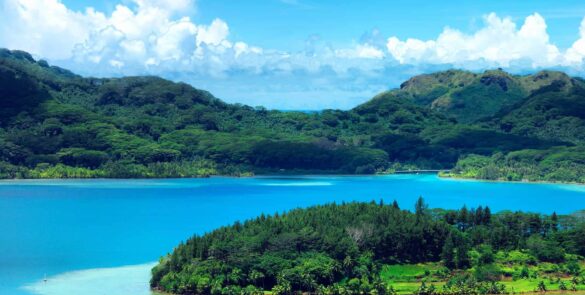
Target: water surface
[101,236]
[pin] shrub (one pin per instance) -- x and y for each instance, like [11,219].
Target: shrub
[488,273]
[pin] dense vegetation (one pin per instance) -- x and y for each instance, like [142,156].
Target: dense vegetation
[565,164]
[376,248]
[56,124]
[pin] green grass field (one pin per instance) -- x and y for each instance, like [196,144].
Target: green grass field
[408,272]
[530,285]
[407,278]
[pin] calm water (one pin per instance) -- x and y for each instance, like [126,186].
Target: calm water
[102,236]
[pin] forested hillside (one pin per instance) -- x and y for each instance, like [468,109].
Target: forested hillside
[376,248]
[57,124]
[54,123]
[470,97]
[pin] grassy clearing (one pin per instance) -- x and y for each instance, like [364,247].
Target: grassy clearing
[407,272]
[407,278]
[531,285]
[404,288]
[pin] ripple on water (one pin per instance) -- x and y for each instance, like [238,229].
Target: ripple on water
[573,187]
[316,183]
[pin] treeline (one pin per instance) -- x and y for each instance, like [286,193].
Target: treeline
[339,249]
[122,169]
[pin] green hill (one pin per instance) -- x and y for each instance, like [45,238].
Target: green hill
[56,124]
[469,97]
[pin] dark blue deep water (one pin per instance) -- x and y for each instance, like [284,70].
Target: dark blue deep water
[95,236]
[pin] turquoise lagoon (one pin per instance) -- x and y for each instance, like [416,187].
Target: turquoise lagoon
[103,236]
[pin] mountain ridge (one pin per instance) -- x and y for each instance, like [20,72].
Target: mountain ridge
[55,123]
[469,96]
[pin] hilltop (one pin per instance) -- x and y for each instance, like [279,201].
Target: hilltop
[470,97]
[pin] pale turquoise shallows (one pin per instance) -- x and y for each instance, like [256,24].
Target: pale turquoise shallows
[101,236]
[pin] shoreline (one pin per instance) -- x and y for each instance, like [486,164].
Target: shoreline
[290,175]
[117,280]
[509,181]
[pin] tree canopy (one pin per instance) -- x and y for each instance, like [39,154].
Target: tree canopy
[344,246]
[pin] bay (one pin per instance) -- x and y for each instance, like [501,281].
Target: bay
[102,236]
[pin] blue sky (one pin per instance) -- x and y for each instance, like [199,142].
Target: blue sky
[296,54]
[274,23]
[286,24]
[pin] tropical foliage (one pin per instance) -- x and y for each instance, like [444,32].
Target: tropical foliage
[364,248]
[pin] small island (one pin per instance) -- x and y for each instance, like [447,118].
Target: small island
[377,248]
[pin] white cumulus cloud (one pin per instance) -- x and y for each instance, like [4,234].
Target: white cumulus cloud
[361,51]
[45,27]
[499,43]
[576,53]
[154,36]
[147,35]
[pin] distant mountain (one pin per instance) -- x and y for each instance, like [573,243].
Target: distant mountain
[54,123]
